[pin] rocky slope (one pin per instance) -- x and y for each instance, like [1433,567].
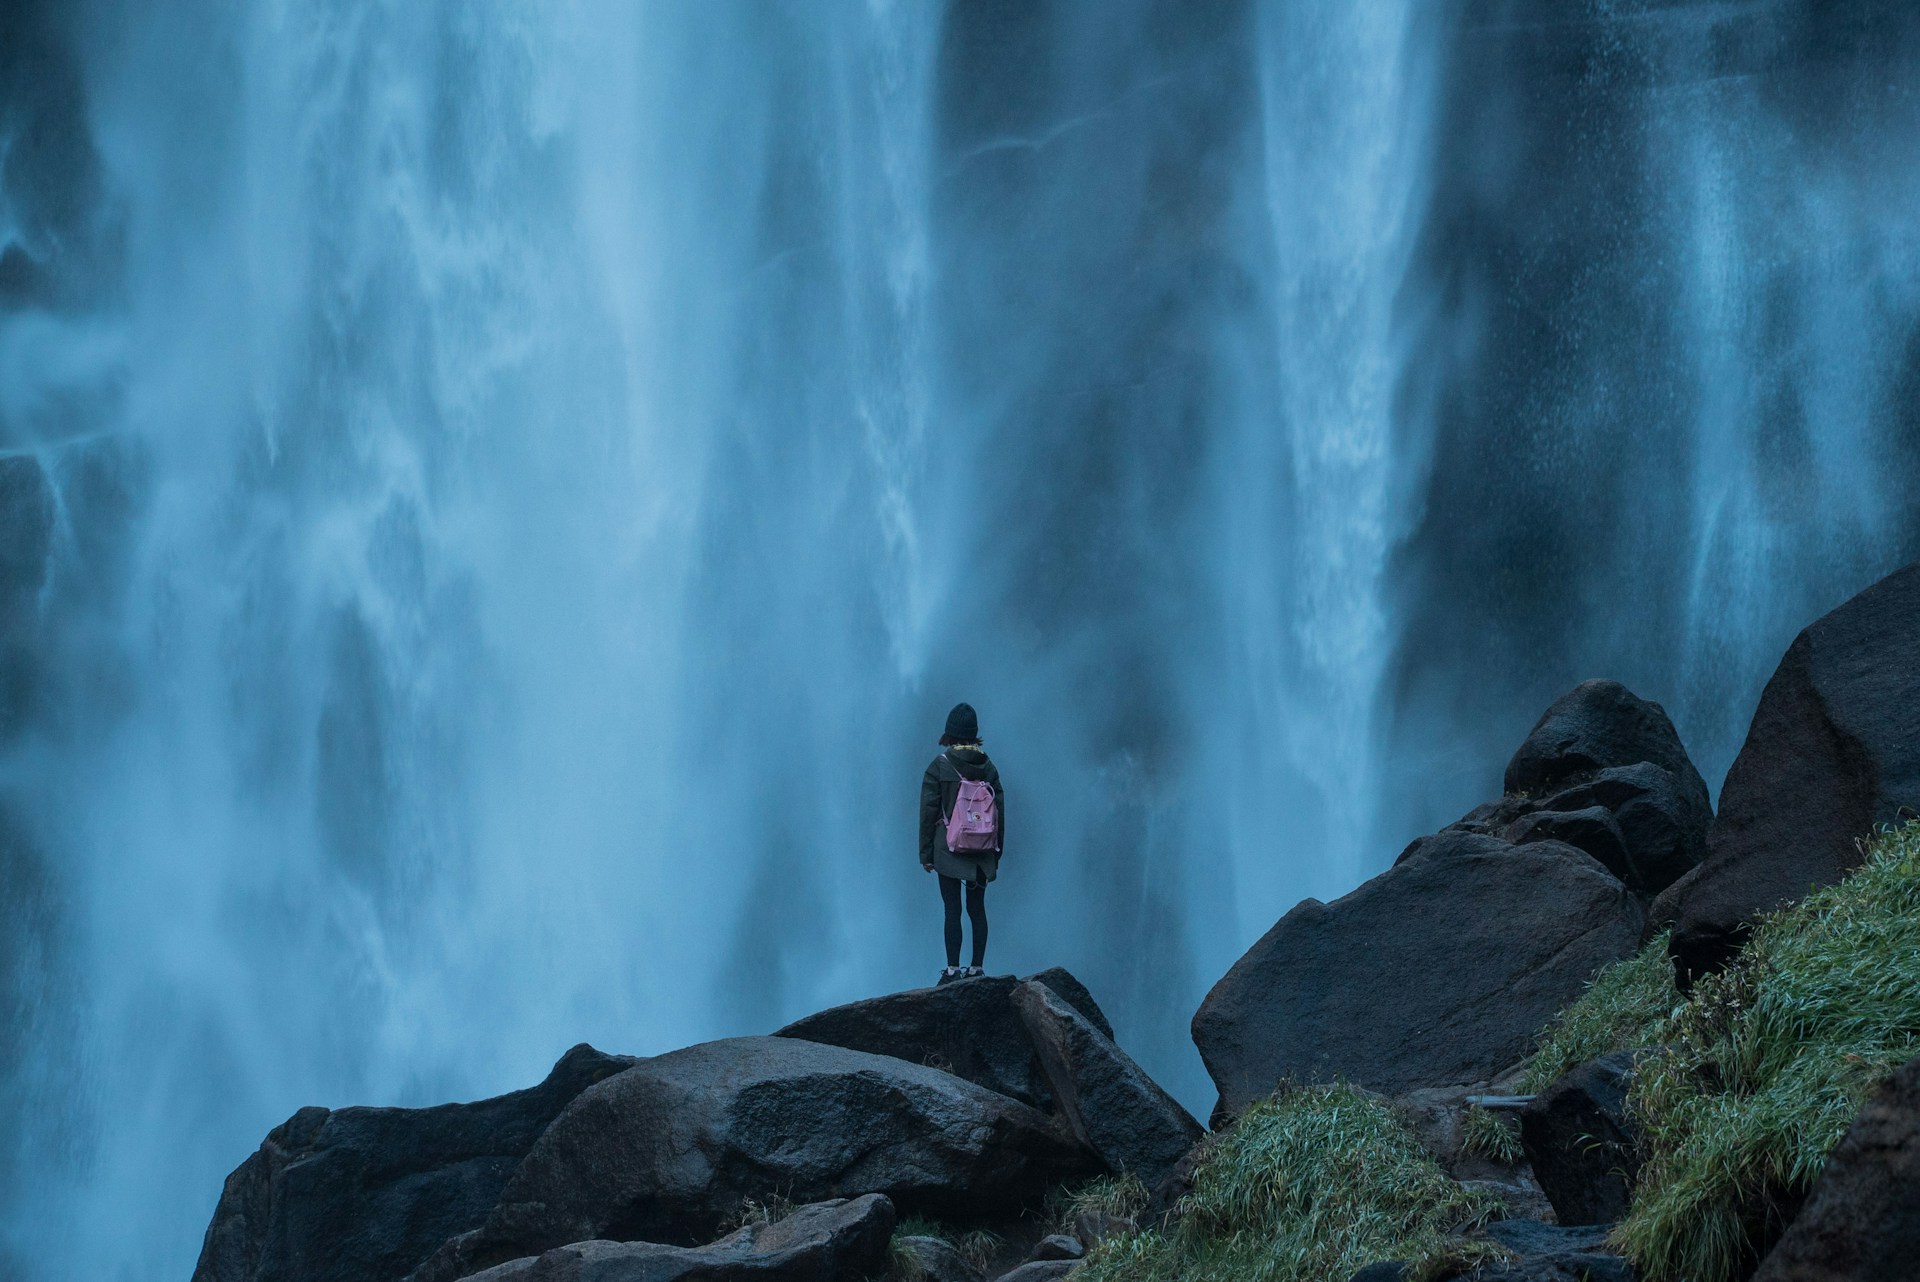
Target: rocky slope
[973,1105]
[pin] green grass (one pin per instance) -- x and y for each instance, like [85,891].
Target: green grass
[976,1246]
[1311,1183]
[1763,1068]
[1765,1063]
[756,1211]
[1491,1136]
[1123,1196]
[1768,1063]
[1627,1006]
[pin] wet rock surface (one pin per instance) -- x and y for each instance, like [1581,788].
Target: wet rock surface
[968,1027]
[1577,780]
[846,1238]
[1114,1108]
[1551,1253]
[1057,1246]
[665,1150]
[1438,971]
[1595,726]
[1041,1271]
[1834,749]
[1582,1143]
[936,1260]
[367,1193]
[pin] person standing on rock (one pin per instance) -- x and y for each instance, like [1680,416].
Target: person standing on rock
[963,824]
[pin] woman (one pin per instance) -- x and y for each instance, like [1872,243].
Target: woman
[962,843]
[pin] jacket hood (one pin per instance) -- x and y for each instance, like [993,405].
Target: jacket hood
[967,756]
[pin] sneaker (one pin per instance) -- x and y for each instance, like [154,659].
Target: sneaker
[949,974]
[973,972]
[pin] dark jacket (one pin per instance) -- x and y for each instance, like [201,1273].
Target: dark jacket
[939,789]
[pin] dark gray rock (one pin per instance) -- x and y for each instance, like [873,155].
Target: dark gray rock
[827,1240]
[1057,1246]
[1666,905]
[934,1260]
[1438,1116]
[366,1194]
[1598,1267]
[666,1150]
[1861,1223]
[1595,725]
[1114,1108]
[1661,821]
[1091,1228]
[1454,843]
[1041,1271]
[968,1027]
[1520,1198]
[1548,1253]
[1591,830]
[1163,1199]
[1440,970]
[1582,1143]
[1645,826]
[1384,1271]
[1075,994]
[1834,749]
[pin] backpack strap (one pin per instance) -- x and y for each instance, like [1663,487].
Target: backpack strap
[947,817]
[959,775]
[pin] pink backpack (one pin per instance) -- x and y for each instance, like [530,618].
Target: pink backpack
[975,821]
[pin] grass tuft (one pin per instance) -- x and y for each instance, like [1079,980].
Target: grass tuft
[1492,1136]
[1768,1062]
[756,1211]
[1311,1183]
[976,1246]
[1122,1196]
[1627,1006]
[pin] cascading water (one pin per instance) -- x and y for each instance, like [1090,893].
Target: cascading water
[498,498]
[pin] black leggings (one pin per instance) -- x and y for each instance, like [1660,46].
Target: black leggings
[976,913]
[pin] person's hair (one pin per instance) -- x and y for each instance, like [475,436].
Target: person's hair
[957,743]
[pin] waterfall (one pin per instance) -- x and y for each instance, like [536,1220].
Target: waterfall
[498,499]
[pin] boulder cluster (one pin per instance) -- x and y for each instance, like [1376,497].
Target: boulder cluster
[774,1158]
[800,1155]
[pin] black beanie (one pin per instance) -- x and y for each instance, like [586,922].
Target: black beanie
[962,725]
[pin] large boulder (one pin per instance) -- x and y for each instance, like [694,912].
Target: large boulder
[366,1194]
[1661,821]
[1834,749]
[1604,771]
[842,1238]
[1582,1142]
[666,1150]
[1591,727]
[1438,971]
[969,1028]
[1114,1108]
[1062,981]
[1862,1221]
